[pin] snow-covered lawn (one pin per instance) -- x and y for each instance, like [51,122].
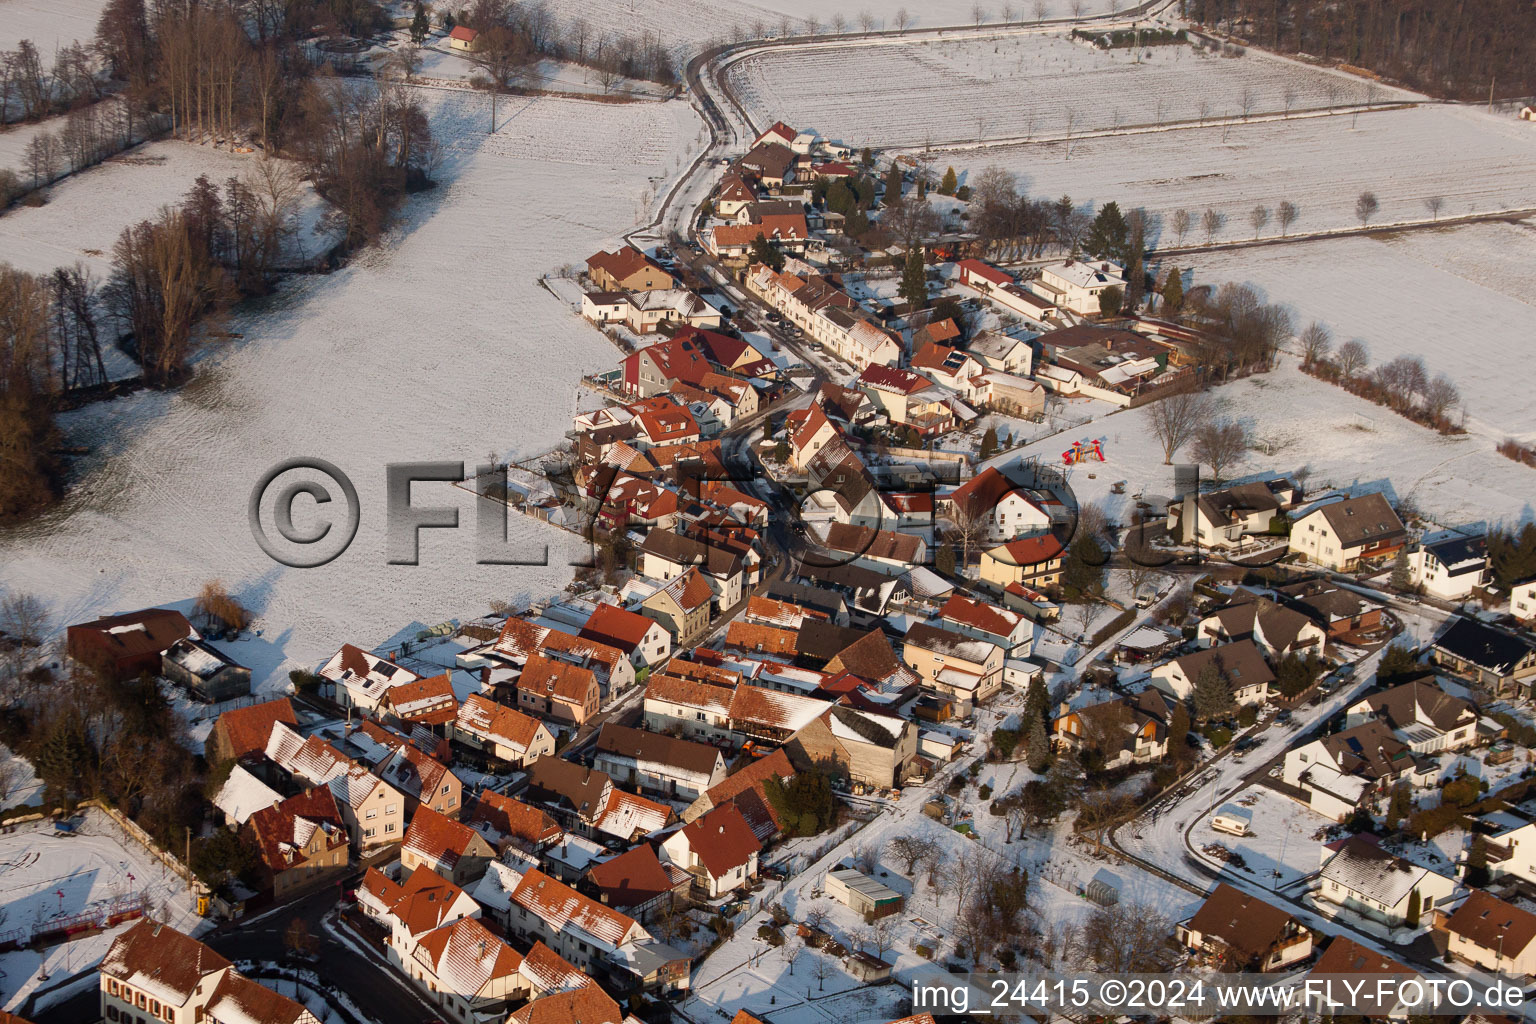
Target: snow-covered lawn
[1017,86]
[50,24]
[1462,299]
[19,784]
[1344,442]
[95,866]
[86,212]
[1284,844]
[440,345]
[1481,164]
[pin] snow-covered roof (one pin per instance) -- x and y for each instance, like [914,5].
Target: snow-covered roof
[243,794]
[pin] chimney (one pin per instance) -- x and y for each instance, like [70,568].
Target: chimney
[1105,268]
[392,657]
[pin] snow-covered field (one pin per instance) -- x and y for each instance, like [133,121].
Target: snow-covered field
[86,212]
[1284,845]
[96,866]
[1343,442]
[440,345]
[1462,299]
[1018,86]
[48,23]
[1480,163]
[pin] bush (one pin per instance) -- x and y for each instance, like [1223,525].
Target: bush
[1247,715]
[1219,735]
[304,682]
[771,935]
[985,792]
[923,951]
[1461,792]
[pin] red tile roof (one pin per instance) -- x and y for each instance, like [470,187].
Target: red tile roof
[481,716]
[744,788]
[722,840]
[1034,550]
[557,680]
[631,878]
[583,1006]
[617,627]
[688,692]
[758,638]
[438,838]
[154,954]
[429,701]
[248,728]
[514,819]
[426,900]
[283,830]
[464,32]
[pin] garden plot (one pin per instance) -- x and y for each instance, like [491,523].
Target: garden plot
[1283,846]
[86,212]
[1018,86]
[1298,422]
[440,344]
[1474,161]
[44,876]
[1462,299]
[50,24]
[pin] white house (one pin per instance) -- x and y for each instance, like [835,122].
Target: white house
[1340,771]
[1345,534]
[1221,519]
[1360,876]
[719,850]
[1421,715]
[1077,284]
[359,679]
[604,307]
[1240,664]
[1276,630]
[1450,568]
[1522,600]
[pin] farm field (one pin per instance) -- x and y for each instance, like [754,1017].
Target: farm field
[86,212]
[1344,443]
[1013,87]
[46,876]
[1480,331]
[1481,164]
[48,23]
[439,345]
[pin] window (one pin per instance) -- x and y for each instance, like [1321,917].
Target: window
[112,987]
[373,812]
[111,1013]
[445,789]
[368,833]
[154,1007]
[389,827]
[392,809]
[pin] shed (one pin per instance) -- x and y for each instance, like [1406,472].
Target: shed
[1103,889]
[868,969]
[862,894]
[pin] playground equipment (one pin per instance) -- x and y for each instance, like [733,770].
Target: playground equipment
[1082,451]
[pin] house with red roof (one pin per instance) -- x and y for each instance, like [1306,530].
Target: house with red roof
[635,882]
[359,679]
[507,821]
[124,646]
[412,910]
[429,702]
[1032,562]
[983,620]
[718,849]
[502,732]
[744,788]
[627,269]
[464,968]
[451,848]
[908,399]
[1006,509]
[302,842]
[242,731]
[373,810]
[654,369]
[646,641]
[734,193]
[533,906]
[558,690]
[778,132]
[464,39]
[981,276]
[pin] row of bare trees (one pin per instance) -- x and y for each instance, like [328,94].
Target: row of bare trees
[533,29]
[1014,226]
[1402,384]
[31,88]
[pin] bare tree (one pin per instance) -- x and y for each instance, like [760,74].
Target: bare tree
[1286,213]
[1289,95]
[1352,357]
[1007,14]
[23,620]
[1077,8]
[1041,9]
[1125,938]
[1433,205]
[1246,100]
[217,609]
[1332,90]
[978,14]
[1316,342]
[911,849]
[866,20]
[1175,419]
[1440,396]
[816,919]
[812,25]
[1219,444]
[969,519]
[1211,221]
[1258,217]
[839,23]
[822,968]
[903,19]
[1366,207]
[1182,221]
[867,858]
[1098,812]
[882,936]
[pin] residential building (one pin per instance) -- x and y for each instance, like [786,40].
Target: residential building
[469,972]
[1522,600]
[1224,519]
[1361,877]
[1032,562]
[645,312]
[1348,534]
[1338,611]
[983,620]
[1276,630]
[1241,665]
[564,693]
[1450,568]
[449,848]
[682,607]
[1077,284]
[302,842]
[411,910]
[419,776]
[700,710]
[1338,773]
[908,399]
[884,551]
[676,768]
[745,789]
[505,822]
[502,732]
[666,556]
[1122,731]
[645,640]
[1496,936]
[463,38]
[372,809]
[1346,956]
[604,307]
[654,370]
[428,702]
[1007,510]
[359,679]
[1502,662]
[1421,715]
[636,882]
[953,665]
[242,795]
[871,748]
[718,850]
[125,646]
[627,269]
[1244,933]
[1002,353]
[533,906]
[242,731]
